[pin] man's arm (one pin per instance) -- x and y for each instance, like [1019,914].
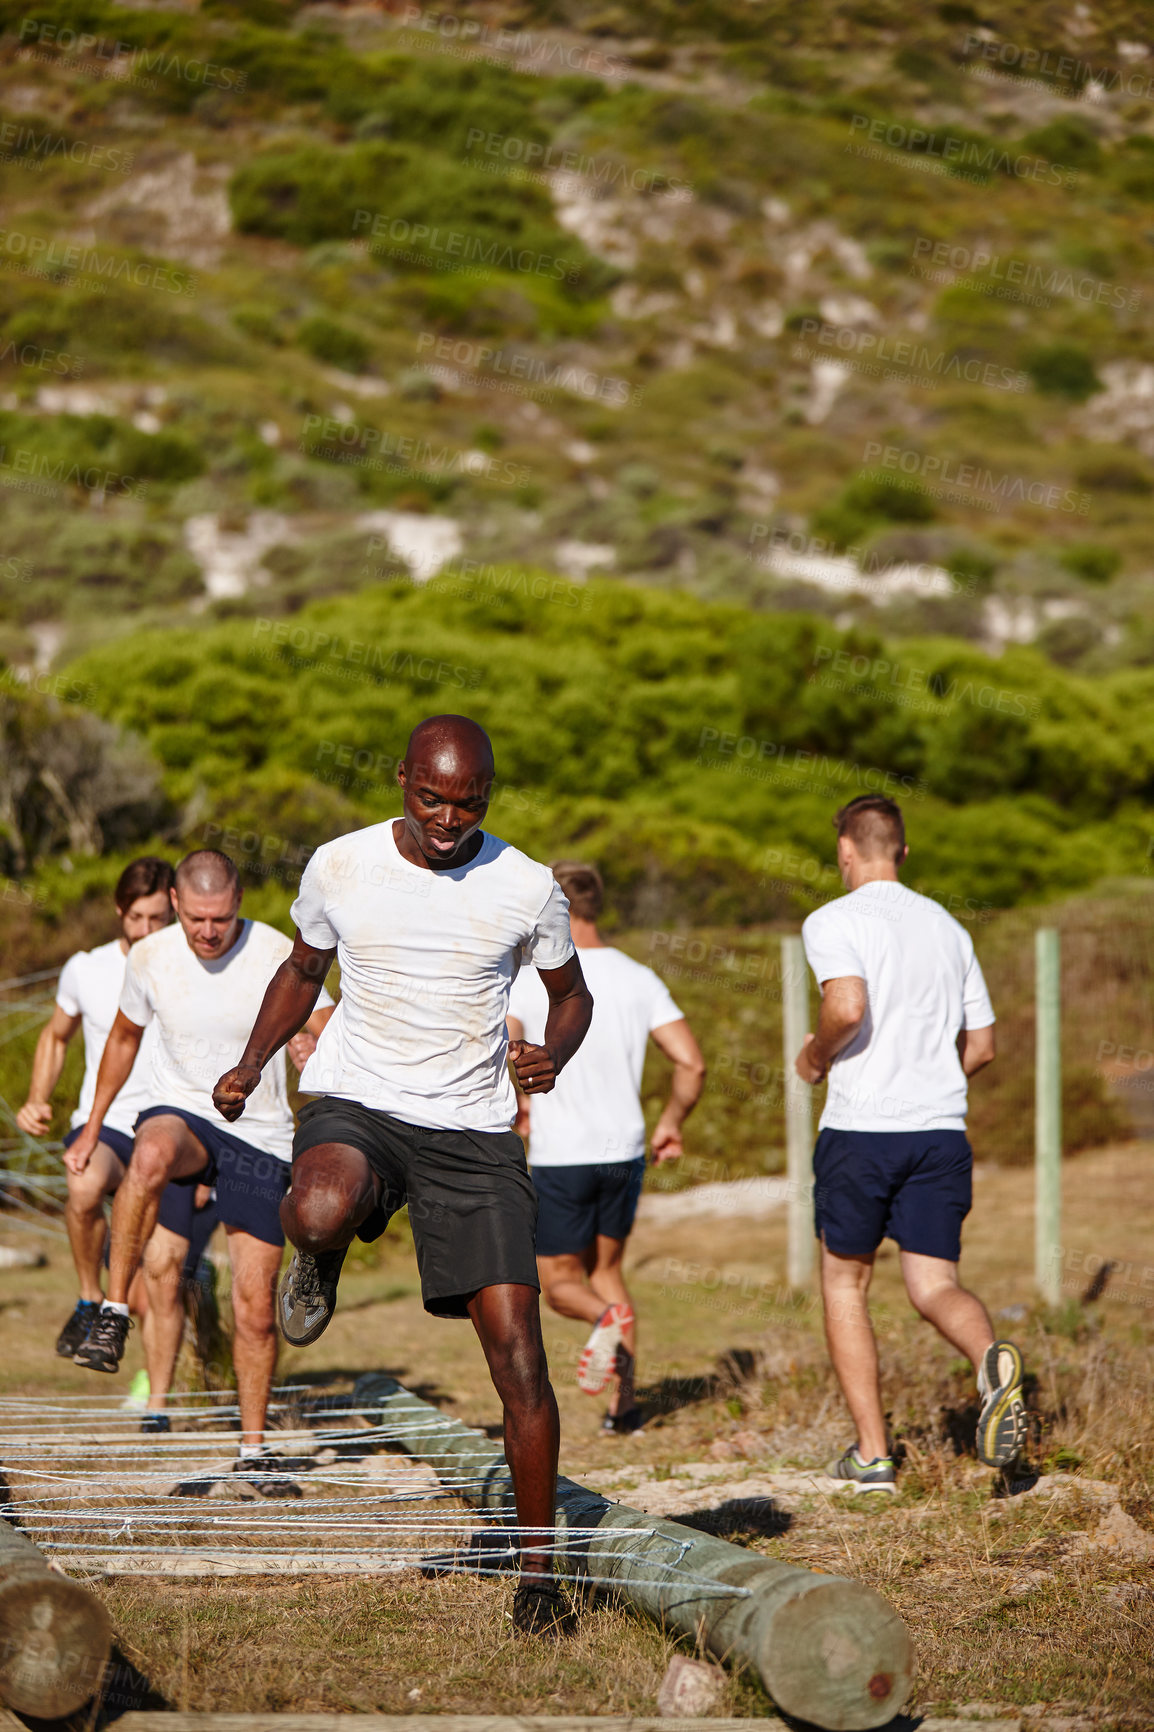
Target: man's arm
[116,1062]
[516,1031]
[287,1006]
[675,1039]
[302,1046]
[570,1012]
[976,1048]
[35,1115]
[843,1008]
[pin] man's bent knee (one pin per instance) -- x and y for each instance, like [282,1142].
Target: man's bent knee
[153,1159]
[317,1212]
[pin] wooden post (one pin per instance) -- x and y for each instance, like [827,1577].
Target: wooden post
[829,1651]
[798,1113]
[1048,1116]
[54,1635]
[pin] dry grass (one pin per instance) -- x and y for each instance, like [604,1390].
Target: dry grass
[1004,1604]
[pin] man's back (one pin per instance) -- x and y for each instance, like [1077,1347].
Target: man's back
[594,1113]
[901,1072]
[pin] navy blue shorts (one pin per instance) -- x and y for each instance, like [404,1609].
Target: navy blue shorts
[576,1204]
[176,1210]
[249,1182]
[912,1186]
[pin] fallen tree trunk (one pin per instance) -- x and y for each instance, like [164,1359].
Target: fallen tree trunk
[54,1635]
[828,1650]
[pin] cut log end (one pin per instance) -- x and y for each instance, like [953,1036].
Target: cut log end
[55,1639]
[838,1656]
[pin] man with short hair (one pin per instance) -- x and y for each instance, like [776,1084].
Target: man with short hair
[587,1138]
[430,918]
[87,994]
[202,980]
[905,1020]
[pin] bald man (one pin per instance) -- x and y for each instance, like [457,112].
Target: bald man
[431,918]
[201,981]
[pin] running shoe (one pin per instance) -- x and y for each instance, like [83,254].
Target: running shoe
[540,1609]
[1002,1421]
[103,1347]
[875,1475]
[75,1332]
[265,1474]
[158,1422]
[307,1295]
[139,1394]
[622,1424]
[598,1360]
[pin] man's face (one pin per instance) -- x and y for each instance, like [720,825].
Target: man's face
[446,800]
[209,920]
[147,914]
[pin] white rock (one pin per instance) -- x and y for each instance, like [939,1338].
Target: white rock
[690,1689]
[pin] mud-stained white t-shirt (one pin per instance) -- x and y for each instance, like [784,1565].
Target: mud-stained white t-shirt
[204,1012]
[426,959]
[89,987]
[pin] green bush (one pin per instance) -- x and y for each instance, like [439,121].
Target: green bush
[334,344]
[165,457]
[1091,561]
[1063,370]
[1068,142]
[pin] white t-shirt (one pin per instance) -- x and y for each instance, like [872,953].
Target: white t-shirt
[593,1115]
[89,987]
[204,1013]
[901,1071]
[426,961]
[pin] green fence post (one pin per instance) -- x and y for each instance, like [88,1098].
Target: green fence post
[1048,1117]
[798,1113]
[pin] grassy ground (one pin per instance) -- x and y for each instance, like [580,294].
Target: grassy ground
[1006,1601]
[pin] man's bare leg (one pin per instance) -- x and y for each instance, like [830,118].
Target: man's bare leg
[164,1149]
[607,1279]
[938,1296]
[84,1217]
[255,1267]
[333,1189]
[507,1319]
[852,1347]
[164,1257]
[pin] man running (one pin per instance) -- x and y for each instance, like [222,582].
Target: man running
[905,1020]
[86,998]
[202,980]
[430,918]
[587,1138]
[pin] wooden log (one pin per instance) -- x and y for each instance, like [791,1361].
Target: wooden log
[829,1651]
[54,1635]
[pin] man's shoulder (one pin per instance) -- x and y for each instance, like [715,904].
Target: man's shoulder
[82,960]
[167,941]
[266,937]
[521,869]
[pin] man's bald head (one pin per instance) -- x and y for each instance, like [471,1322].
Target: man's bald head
[206,872]
[453,745]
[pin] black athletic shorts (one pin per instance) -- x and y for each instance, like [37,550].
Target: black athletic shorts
[577,1203]
[176,1210]
[472,1206]
[249,1182]
[912,1186]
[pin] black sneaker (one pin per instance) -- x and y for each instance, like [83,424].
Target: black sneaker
[622,1424]
[103,1347]
[540,1609]
[263,1473]
[307,1295]
[156,1422]
[75,1332]
[1002,1421]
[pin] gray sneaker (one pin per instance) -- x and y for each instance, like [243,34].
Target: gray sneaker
[1002,1421]
[876,1475]
[307,1295]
